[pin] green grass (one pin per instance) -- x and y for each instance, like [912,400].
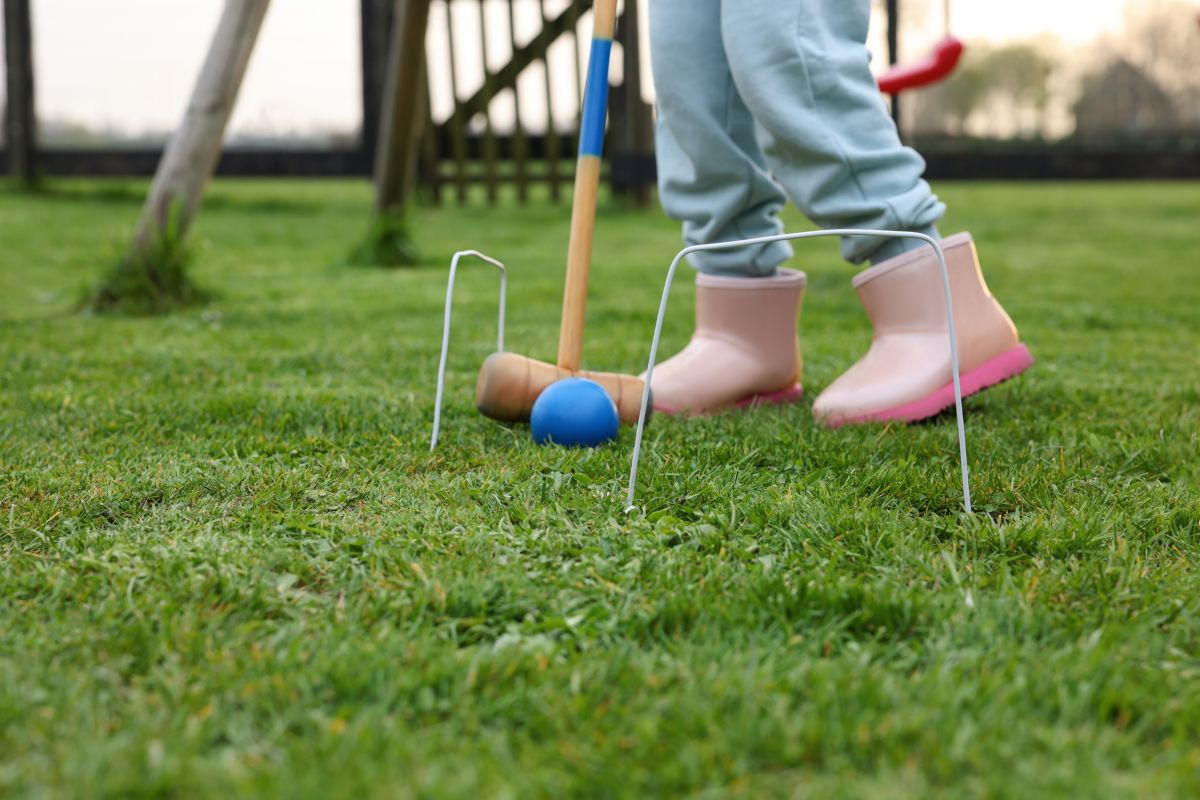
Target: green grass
[230,565]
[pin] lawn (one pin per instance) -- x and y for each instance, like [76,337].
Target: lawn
[231,566]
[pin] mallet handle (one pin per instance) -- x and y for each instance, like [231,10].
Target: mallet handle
[587,184]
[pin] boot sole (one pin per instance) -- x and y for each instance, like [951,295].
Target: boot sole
[792,394]
[1003,367]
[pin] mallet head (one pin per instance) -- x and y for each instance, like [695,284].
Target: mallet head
[509,384]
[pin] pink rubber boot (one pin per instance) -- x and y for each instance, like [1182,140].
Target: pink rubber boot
[906,373]
[744,351]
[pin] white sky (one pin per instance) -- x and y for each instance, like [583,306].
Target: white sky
[1073,21]
[129,64]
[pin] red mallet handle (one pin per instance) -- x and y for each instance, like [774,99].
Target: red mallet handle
[935,67]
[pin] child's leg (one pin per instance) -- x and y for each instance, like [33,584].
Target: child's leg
[802,68]
[712,174]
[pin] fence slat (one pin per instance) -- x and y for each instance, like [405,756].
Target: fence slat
[458,144]
[521,148]
[552,152]
[578,73]
[564,23]
[489,136]
[431,156]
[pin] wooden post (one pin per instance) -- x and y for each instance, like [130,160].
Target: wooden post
[402,115]
[458,142]
[192,154]
[376,23]
[21,115]
[634,135]
[893,42]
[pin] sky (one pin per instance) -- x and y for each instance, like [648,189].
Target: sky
[129,64]
[1073,21]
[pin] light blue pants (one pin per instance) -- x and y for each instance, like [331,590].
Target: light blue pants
[764,100]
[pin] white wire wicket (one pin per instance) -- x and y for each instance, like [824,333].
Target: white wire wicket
[441,376]
[783,237]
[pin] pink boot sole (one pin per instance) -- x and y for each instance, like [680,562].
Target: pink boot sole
[792,394]
[1008,364]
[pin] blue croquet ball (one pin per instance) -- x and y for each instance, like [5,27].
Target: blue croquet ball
[574,412]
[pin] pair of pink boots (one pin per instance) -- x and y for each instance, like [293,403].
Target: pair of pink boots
[745,350]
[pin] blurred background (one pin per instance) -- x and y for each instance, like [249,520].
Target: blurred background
[1046,89]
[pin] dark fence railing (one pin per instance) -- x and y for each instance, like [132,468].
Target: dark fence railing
[470,146]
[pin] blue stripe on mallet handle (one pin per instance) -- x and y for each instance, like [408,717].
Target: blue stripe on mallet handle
[595,100]
[587,183]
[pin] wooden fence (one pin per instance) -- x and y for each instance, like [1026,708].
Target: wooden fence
[488,125]
[536,142]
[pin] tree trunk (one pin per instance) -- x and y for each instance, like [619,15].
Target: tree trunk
[192,154]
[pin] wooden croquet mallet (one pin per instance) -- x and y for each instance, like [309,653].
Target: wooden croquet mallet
[509,383]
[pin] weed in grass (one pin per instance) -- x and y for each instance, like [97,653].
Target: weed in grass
[149,280]
[388,243]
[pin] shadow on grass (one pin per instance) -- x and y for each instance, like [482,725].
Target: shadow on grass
[133,193]
[116,192]
[217,201]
